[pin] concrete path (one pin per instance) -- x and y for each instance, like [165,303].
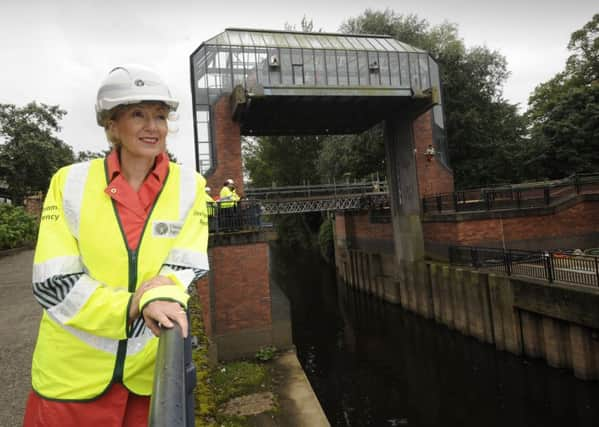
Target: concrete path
[299,406]
[19,320]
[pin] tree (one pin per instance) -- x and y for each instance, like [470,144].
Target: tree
[30,152]
[563,112]
[583,63]
[281,160]
[85,155]
[352,156]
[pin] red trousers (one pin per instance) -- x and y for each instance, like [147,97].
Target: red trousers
[116,408]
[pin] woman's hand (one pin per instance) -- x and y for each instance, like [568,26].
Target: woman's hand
[146,286]
[164,313]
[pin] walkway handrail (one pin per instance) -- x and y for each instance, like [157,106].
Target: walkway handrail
[514,196]
[243,215]
[170,404]
[317,190]
[552,266]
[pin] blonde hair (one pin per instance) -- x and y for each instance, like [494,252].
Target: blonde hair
[108,117]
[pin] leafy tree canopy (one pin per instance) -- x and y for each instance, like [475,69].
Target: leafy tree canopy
[281,160]
[563,112]
[30,152]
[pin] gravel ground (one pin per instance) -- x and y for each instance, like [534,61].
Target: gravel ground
[19,321]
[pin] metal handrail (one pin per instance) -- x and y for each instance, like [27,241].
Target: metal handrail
[552,266]
[243,215]
[174,380]
[515,196]
[315,190]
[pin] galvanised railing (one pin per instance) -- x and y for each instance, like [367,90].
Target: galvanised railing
[172,403]
[517,196]
[316,191]
[553,266]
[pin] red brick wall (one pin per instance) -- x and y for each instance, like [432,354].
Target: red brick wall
[433,177]
[340,226]
[576,220]
[33,204]
[227,142]
[241,285]
[359,226]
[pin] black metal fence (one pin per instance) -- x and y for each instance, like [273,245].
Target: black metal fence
[234,216]
[518,196]
[546,265]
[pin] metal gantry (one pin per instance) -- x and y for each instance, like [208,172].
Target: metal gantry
[326,83]
[258,203]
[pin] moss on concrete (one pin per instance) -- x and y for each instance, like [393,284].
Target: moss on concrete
[217,385]
[205,403]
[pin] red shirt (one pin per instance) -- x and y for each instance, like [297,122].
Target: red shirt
[133,207]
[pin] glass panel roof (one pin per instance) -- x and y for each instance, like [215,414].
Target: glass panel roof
[262,38]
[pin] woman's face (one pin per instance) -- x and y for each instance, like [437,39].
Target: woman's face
[141,130]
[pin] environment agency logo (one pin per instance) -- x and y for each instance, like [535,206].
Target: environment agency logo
[160,228]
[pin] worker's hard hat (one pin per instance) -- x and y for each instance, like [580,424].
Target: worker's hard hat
[130,84]
[229,181]
[207,189]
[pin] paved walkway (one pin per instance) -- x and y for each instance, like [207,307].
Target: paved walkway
[19,319]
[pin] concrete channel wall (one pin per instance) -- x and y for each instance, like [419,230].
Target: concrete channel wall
[556,323]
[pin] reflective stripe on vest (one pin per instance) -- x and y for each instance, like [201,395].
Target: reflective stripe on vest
[73,191]
[68,264]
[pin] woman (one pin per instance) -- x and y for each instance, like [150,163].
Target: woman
[124,238]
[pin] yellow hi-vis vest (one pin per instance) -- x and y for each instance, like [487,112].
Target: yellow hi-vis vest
[228,198]
[210,205]
[84,343]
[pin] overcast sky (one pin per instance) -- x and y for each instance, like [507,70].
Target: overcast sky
[58,51]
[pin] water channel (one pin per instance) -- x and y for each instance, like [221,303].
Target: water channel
[374,364]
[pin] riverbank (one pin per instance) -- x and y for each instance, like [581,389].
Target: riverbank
[275,393]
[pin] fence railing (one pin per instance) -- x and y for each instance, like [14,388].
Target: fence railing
[546,265]
[172,403]
[320,190]
[242,215]
[517,196]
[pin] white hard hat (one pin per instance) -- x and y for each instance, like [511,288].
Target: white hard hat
[207,189]
[130,84]
[229,181]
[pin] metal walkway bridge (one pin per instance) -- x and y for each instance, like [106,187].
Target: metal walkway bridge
[319,198]
[258,203]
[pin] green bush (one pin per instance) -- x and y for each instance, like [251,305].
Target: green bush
[266,353]
[17,227]
[325,240]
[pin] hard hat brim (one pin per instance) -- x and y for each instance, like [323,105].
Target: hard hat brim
[108,104]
